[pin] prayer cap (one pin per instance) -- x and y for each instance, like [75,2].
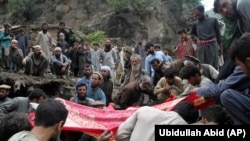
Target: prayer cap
[3,86]
[58,49]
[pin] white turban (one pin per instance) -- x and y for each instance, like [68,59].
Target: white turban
[15,41]
[37,46]
[107,68]
[58,49]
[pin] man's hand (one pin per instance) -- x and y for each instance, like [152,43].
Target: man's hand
[105,136]
[63,69]
[221,50]
[194,90]
[168,88]
[24,61]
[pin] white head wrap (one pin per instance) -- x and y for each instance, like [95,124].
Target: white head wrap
[107,68]
[37,46]
[58,49]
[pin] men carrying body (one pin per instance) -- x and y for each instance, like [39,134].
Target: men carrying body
[50,117]
[145,119]
[233,92]
[22,104]
[4,92]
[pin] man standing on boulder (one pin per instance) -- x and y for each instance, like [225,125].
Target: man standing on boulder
[44,39]
[207,32]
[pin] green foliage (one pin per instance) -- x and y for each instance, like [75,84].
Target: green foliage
[228,32]
[96,37]
[77,36]
[117,4]
[25,7]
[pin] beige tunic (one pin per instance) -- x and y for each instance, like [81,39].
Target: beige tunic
[141,125]
[161,88]
[45,41]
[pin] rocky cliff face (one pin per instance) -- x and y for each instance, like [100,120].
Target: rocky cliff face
[157,24]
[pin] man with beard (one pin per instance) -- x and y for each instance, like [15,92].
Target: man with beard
[130,94]
[14,56]
[81,95]
[5,39]
[50,117]
[107,84]
[87,75]
[84,55]
[136,72]
[237,11]
[36,62]
[149,47]
[207,32]
[60,63]
[109,57]
[4,92]
[44,39]
[94,90]
[140,50]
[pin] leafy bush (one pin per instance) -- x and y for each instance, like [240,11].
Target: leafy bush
[96,37]
[77,36]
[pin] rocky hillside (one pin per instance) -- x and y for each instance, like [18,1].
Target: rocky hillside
[155,23]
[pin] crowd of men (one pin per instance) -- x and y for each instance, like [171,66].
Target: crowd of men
[146,75]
